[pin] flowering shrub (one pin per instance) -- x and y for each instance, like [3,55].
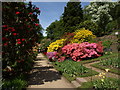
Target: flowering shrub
[51,55]
[83,50]
[20,32]
[82,35]
[55,56]
[55,45]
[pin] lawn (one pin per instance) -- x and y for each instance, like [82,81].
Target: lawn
[112,63]
[71,69]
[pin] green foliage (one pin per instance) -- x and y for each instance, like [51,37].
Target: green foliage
[55,30]
[44,44]
[108,83]
[15,84]
[114,62]
[73,69]
[72,16]
[102,23]
[111,26]
[115,13]
[106,45]
[89,25]
[20,32]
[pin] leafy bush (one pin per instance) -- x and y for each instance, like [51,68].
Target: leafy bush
[111,26]
[55,45]
[83,50]
[82,35]
[106,45]
[44,44]
[20,33]
[16,84]
[89,25]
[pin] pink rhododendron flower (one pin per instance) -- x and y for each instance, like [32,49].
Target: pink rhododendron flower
[84,50]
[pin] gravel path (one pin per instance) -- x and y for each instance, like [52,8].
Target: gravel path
[43,75]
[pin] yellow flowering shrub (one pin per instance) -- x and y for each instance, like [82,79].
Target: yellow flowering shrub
[82,35]
[55,45]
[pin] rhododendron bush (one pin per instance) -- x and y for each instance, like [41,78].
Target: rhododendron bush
[77,51]
[55,56]
[84,50]
[75,46]
[82,35]
[54,46]
[20,32]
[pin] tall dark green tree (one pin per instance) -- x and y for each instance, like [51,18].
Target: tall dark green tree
[73,15]
[55,30]
[115,13]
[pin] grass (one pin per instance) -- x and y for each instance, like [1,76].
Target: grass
[99,58]
[71,69]
[109,83]
[112,63]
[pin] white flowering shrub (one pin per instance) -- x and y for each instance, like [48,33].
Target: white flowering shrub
[99,10]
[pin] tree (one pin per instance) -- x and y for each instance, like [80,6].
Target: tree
[99,12]
[115,13]
[55,30]
[72,16]
[20,32]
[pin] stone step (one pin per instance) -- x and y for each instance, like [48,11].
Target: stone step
[81,80]
[76,84]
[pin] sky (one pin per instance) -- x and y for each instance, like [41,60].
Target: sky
[51,11]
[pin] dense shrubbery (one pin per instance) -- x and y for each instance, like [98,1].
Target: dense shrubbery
[83,50]
[89,25]
[44,44]
[82,35]
[55,45]
[75,46]
[20,32]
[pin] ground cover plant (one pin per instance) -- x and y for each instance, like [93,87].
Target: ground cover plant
[112,63]
[71,69]
[105,56]
[108,83]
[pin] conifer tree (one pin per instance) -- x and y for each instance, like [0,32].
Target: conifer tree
[72,16]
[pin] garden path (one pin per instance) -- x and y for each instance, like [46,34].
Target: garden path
[108,74]
[43,75]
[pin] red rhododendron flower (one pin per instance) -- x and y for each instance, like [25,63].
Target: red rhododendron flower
[19,42]
[23,39]
[36,24]
[29,26]
[14,34]
[30,13]
[5,29]
[4,38]
[5,44]
[4,25]
[17,13]
[12,29]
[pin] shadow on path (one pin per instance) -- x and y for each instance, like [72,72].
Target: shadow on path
[40,75]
